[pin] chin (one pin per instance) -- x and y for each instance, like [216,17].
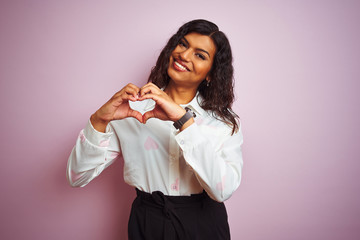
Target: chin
[172,73]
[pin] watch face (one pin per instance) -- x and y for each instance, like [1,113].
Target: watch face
[189,110]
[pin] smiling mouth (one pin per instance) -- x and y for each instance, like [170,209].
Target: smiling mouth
[180,67]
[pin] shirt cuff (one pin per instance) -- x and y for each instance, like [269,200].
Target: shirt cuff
[189,137]
[98,138]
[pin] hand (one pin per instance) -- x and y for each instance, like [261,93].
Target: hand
[165,108]
[117,108]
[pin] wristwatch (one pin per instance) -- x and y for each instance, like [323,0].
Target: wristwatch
[189,114]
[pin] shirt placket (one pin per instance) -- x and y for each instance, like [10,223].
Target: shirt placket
[174,173]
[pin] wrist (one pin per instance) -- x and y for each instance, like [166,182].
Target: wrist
[186,119]
[187,124]
[98,123]
[181,114]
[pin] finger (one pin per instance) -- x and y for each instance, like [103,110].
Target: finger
[149,88]
[130,89]
[152,96]
[129,97]
[147,116]
[156,113]
[149,84]
[136,114]
[118,100]
[133,86]
[129,93]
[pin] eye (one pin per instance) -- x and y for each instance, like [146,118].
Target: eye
[199,55]
[182,44]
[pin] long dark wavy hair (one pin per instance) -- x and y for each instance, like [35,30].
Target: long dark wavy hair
[218,95]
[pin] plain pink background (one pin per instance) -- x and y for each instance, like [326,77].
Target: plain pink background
[297,69]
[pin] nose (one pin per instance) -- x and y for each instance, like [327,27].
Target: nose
[185,55]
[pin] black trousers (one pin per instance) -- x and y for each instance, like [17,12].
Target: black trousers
[196,217]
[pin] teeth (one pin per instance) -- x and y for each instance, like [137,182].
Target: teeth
[180,66]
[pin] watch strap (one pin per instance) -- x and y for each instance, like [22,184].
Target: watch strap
[189,114]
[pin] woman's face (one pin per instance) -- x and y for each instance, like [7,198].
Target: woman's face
[191,60]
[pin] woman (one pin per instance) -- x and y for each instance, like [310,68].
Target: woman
[183,155]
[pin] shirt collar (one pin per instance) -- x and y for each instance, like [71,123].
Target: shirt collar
[194,105]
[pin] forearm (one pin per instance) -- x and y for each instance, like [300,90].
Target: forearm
[92,153]
[98,124]
[216,164]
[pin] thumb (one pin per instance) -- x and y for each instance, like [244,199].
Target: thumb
[156,113]
[147,116]
[135,114]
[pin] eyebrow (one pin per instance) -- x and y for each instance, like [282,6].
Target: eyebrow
[199,49]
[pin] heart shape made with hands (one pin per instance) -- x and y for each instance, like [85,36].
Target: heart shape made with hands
[141,106]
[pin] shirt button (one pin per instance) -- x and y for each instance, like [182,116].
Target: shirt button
[182,142]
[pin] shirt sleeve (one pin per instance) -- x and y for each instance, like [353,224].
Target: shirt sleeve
[216,164]
[93,152]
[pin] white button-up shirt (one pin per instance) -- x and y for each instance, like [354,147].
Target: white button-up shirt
[157,157]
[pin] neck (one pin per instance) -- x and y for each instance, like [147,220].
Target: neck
[180,95]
